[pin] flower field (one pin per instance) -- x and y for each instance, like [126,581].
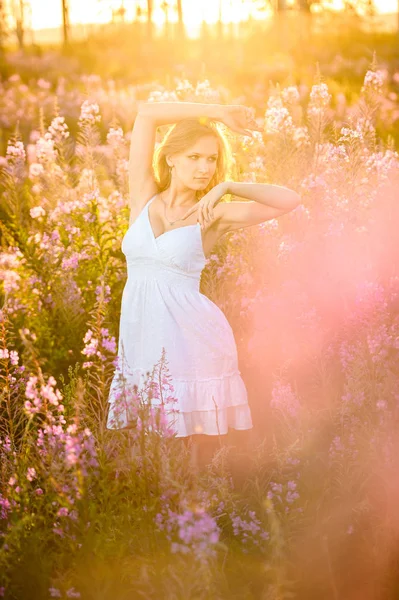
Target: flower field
[308,508]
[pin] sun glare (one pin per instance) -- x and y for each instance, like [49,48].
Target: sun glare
[48,14]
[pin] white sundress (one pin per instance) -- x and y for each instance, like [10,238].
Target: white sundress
[162,307]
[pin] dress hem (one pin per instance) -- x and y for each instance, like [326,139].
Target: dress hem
[201,422]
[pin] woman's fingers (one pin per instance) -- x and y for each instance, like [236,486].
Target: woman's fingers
[241,117]
[203,217]
[209,212]
[200,216]
[204,214]
[241,130]
[248,130]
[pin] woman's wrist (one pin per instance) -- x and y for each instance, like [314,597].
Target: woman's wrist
[165,113]
[227,187]
[212,111]
[224,187]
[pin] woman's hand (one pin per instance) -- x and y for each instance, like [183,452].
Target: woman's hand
[239,118]
[204,207]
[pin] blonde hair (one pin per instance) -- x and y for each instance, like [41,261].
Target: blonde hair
[183,135]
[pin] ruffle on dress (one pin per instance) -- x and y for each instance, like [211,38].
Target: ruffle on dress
[210,406]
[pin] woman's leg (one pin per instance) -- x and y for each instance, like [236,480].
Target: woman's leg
[203,449]
[240,439]
[205,446]
[239,458]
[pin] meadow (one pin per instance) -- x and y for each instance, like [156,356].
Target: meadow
[308,508]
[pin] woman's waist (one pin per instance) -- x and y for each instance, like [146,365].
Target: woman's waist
[162,273]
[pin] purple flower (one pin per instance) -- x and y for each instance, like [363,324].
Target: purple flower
[193,531]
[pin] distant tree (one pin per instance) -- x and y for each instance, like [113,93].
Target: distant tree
[149,17]
[220,20]
[355,6]
[180,19]
[304,5]
[4,29]
[165,6]
[18,14]
[358,7]
[65,21]
[119,13]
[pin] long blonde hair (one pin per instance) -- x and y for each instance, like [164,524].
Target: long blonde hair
[183,135]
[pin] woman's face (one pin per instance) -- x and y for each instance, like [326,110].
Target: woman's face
[196,166]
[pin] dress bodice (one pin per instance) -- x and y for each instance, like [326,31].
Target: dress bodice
[176,255]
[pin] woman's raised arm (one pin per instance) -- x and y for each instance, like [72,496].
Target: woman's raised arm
[165,113]
[151,115]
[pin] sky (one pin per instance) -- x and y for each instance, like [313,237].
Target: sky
[48,14]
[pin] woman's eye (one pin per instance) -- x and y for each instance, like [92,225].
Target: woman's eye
[212,158]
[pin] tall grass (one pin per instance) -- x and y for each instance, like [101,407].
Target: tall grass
[308,509]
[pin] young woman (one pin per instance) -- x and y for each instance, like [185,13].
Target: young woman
[176,218]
